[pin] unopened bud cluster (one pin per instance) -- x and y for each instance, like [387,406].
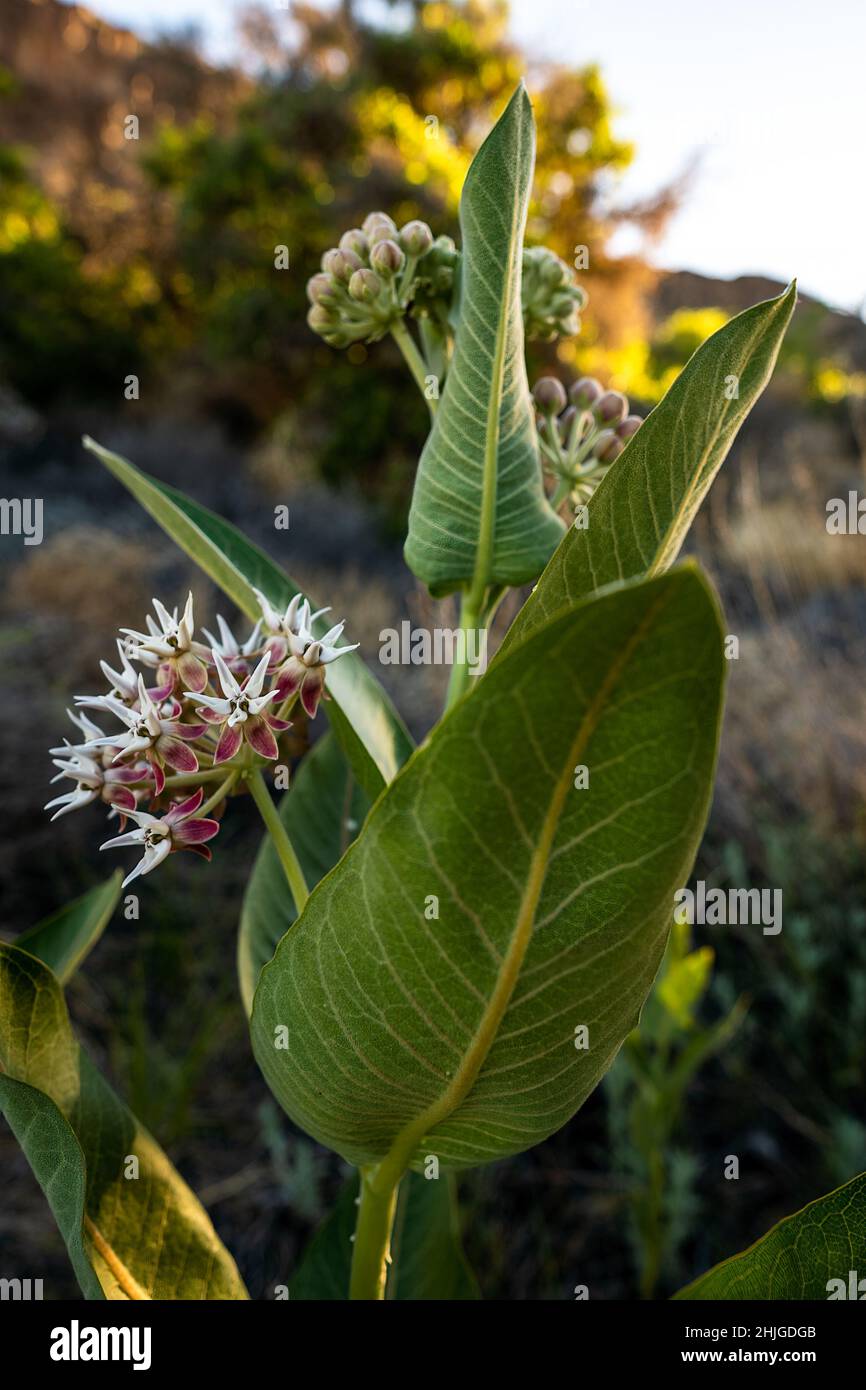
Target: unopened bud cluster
[366,282]
[581,432]
[213,711]
[378,274]
[551,297]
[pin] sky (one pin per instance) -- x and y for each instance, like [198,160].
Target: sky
[768,97]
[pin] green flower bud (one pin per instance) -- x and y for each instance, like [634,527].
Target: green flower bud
[549,395]
[355,241]
[386,257]
[365,286]
[586,392]
[320,319]
[629,426]
[416,238]
[550,295]
[611,409]
[565,422]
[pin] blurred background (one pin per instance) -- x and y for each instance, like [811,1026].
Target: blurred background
[703,162]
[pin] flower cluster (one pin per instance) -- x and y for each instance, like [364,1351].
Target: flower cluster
[581,432]
[377,275]
[551,297]
[367,282]
[215,708]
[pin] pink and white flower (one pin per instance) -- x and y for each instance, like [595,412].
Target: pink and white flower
[234,653]
[242,712]
[162,741]
[171,648]
[160,836]
[93,781]
[304,668]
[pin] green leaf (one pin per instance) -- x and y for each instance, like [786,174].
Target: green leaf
[427,1259]
[639,515]
[799,1257]
[363,718]
[63,940]
[323,811]
[454,1035]
[478,497]
[127,1237]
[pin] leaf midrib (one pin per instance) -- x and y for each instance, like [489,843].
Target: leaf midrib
[391,1168]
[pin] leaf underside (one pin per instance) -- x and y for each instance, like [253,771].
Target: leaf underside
[799,1257]
[454,1036]
[486,389]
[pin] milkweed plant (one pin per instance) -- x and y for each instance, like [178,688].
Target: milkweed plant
[442,948]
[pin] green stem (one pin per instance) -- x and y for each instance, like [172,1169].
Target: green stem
[279,835]
[415,362]
[371,1247]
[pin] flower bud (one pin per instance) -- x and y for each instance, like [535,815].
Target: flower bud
[320,320]
[549,395]
[416,238]
[608,447]
[341,264]
[565,422]
[365,286]
[611,408]
[355,241]
[386,257]
[629,426]
[376,220]
[585,393]
[321,290]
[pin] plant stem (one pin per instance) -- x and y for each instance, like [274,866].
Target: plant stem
[222,790]
[469,622]
[279,835]
[415,362]
[371,1249]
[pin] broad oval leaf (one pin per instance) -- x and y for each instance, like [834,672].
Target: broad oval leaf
[427,1259]
[63,940]
[127,1238]
[365,721]
[640,514]
[323,812]
[812,1254]
[432,987]
[479,483]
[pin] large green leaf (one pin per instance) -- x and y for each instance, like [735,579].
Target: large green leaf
[63,940]
[479,483]
[365,721]
[383,1032]
[427,1259]
[323,811]
[129,1237]
[639,516]
[799,1257]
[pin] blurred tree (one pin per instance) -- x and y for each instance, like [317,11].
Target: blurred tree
[349,116]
